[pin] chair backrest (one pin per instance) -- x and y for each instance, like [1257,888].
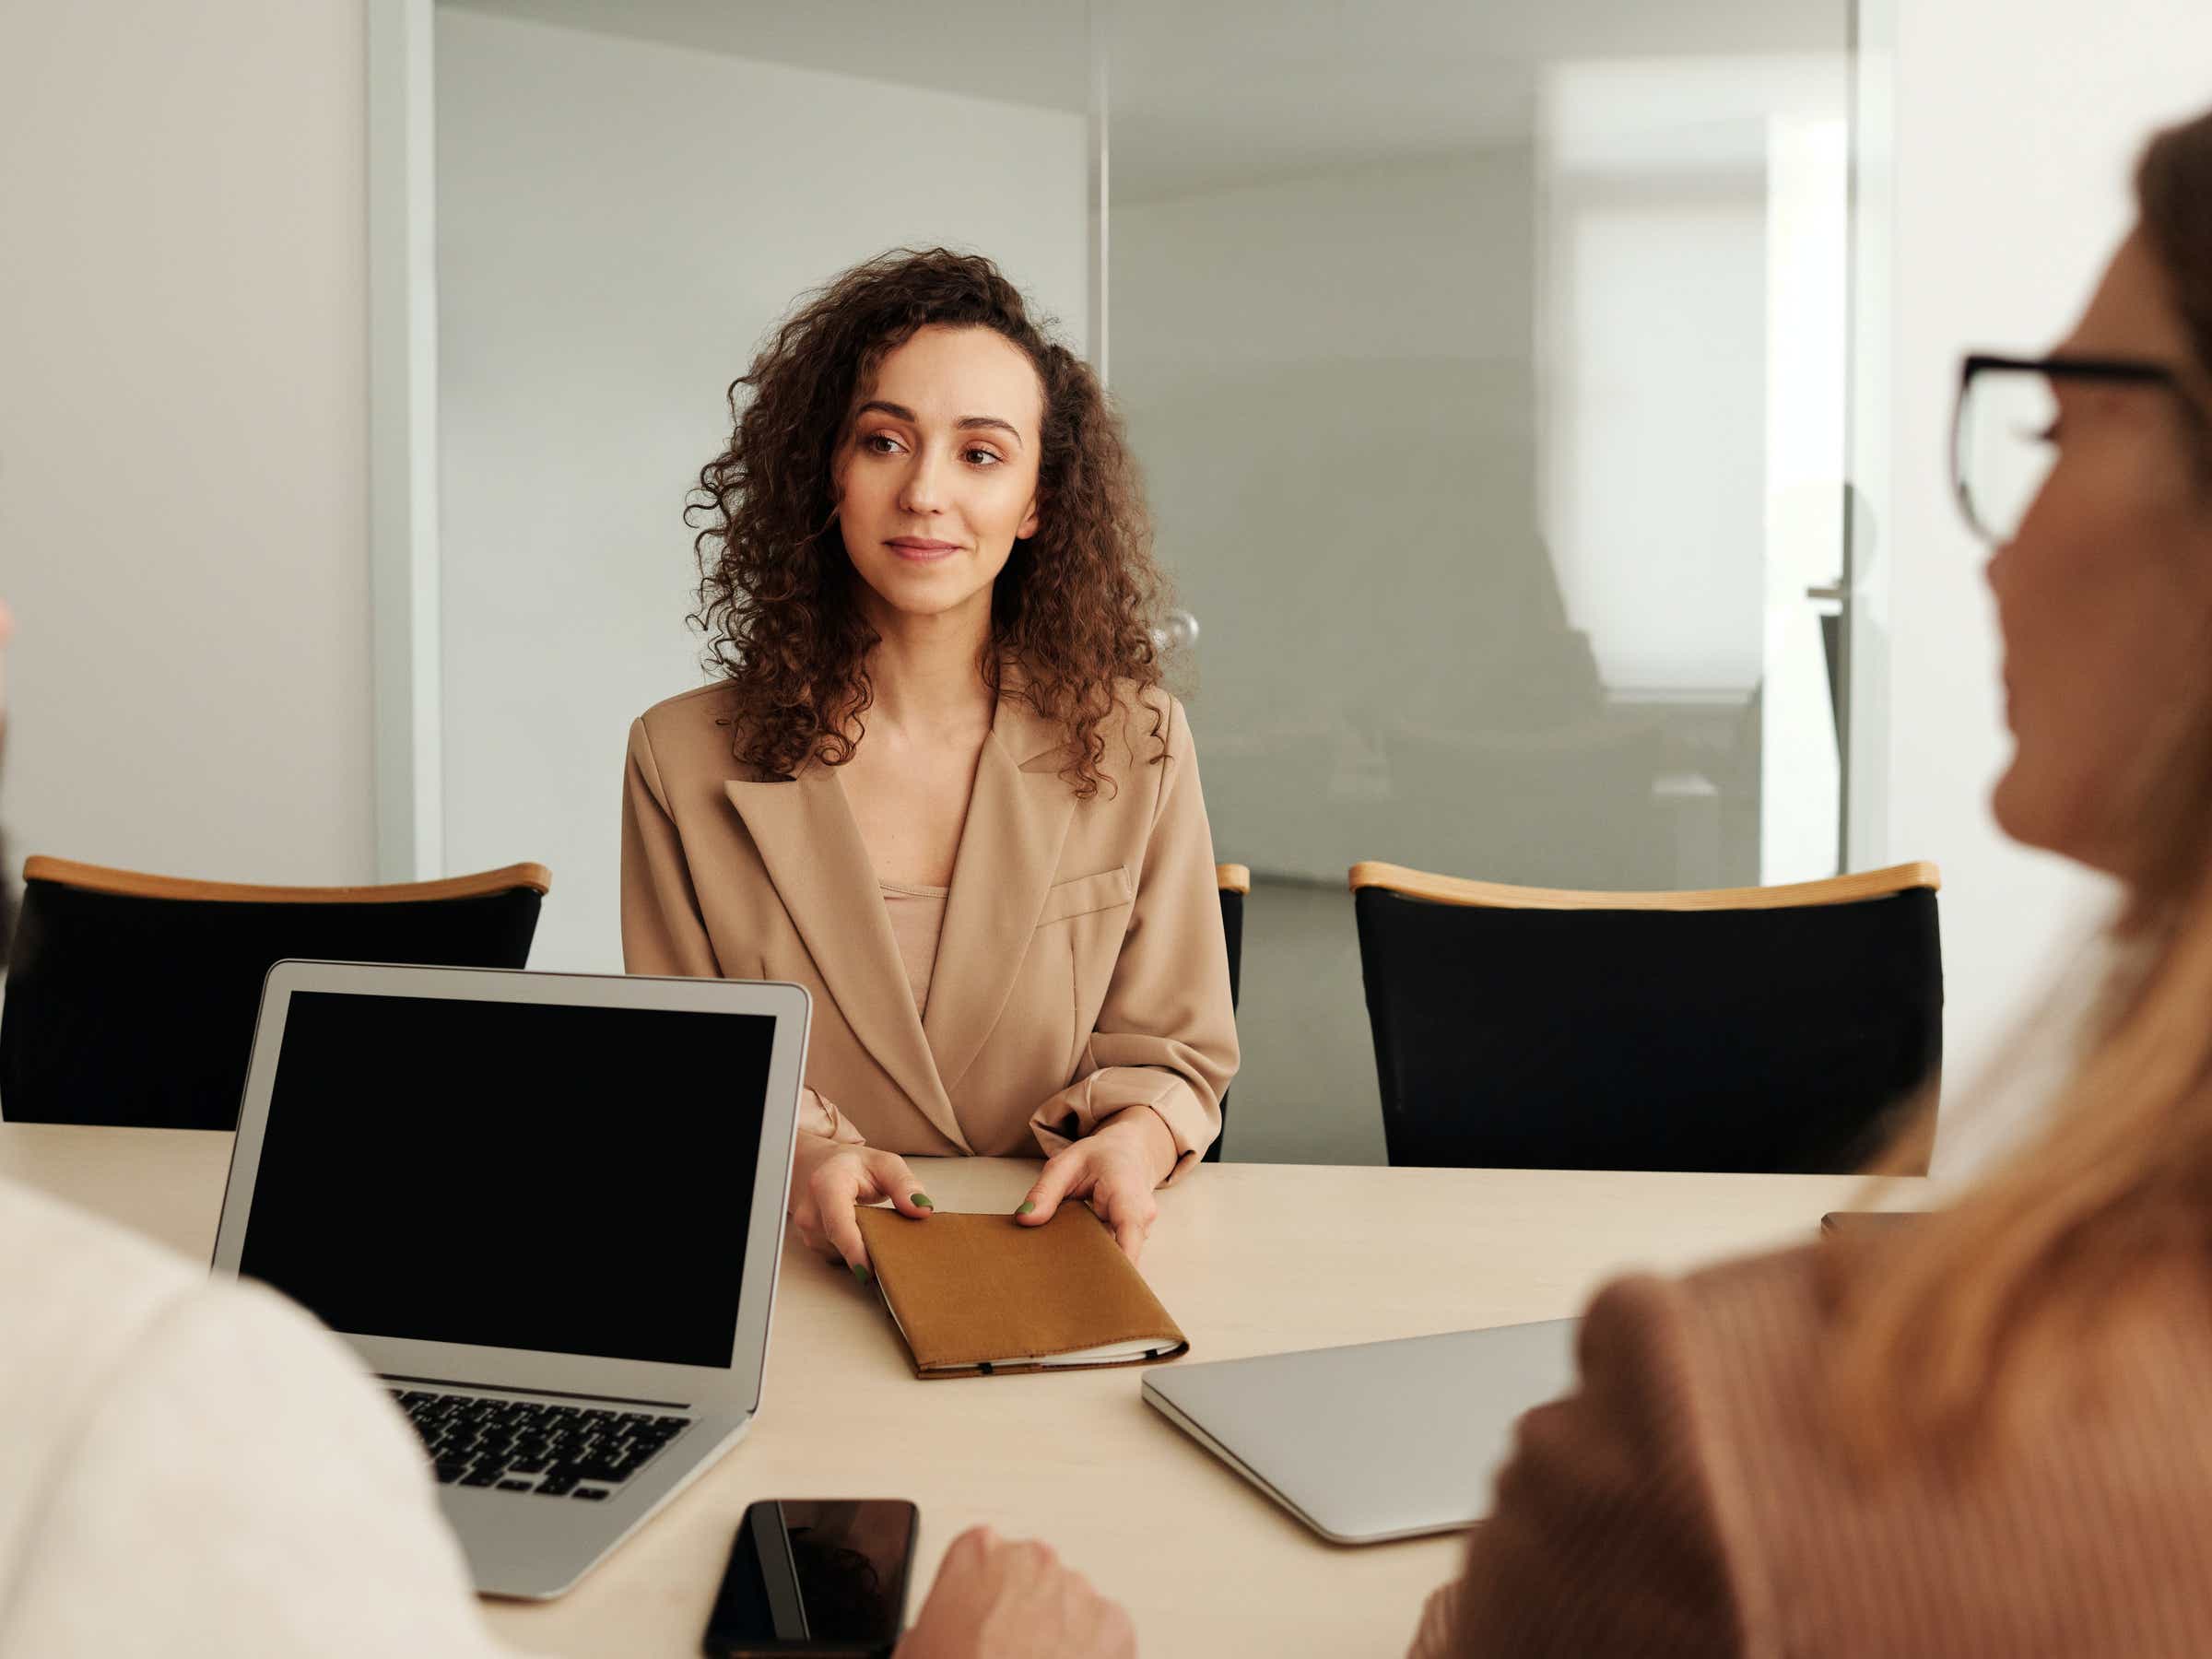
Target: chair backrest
[1749,1029]
[1234,881]
[132,998]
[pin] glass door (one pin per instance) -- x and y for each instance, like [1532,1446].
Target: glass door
[1488,369]
[1487,365]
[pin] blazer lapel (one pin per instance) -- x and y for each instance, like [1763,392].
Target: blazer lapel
[1018,819]
[815,857]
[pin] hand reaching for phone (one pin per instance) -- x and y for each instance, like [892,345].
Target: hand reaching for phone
[997,1600]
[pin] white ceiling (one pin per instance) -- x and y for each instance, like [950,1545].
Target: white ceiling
[1208,92]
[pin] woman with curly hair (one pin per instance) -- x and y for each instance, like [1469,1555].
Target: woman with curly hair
[937,780]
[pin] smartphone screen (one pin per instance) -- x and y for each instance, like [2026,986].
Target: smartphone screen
[815,1576]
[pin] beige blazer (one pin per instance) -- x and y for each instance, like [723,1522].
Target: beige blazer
[1688,1499]
[1081,968]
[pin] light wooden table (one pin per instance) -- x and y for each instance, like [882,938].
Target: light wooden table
[1249,1258]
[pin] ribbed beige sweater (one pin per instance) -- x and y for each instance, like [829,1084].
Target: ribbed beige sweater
[1688,1500]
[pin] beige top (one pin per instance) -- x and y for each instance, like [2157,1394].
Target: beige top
[1079,969]
[1688,1499]
[198,1468]
[917,919]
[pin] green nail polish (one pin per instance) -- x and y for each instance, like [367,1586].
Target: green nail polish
[1027,1205]
[861,1273]
[921,1201]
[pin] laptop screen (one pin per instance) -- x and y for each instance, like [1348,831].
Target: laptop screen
[564,1178]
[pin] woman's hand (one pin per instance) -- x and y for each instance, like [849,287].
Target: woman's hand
[1116,1167]
[998,1600]
[829,1177]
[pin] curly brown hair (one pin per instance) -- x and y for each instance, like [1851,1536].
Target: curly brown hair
[1070,613]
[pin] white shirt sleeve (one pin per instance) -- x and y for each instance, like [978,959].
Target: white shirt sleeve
[239,1488]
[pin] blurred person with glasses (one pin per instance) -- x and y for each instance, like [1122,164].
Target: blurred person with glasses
[2006,432]
[1987,1429]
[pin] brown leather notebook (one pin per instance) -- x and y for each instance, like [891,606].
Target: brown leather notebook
[975,1295]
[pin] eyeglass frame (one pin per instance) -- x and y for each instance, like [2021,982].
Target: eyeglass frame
[2137,372]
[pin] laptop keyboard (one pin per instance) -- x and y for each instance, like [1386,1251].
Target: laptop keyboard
[534,1445]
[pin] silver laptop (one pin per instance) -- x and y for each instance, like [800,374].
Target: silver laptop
[1380,1440]
[547,1209]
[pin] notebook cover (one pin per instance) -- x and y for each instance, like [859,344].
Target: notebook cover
[976,1294]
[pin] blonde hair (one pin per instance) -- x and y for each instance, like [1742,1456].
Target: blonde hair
[1959,1330]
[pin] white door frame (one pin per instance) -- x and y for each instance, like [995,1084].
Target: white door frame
[403,440]
[1869,545]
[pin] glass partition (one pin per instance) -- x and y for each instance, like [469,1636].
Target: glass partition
[1488,367]
[1488,370]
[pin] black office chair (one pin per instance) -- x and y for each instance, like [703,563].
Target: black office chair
[1235,881]
[1758,1028]
[132,998]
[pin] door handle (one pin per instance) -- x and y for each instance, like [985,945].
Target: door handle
[1178,631]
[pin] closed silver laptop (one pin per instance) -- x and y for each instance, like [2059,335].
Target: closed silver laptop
[1379,1439]
[547,1209]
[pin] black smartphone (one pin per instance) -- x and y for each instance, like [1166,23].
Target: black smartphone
[815,1576]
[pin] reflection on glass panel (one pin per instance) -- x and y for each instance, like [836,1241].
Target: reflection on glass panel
[1488,369]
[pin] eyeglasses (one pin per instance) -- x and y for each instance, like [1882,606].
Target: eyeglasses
[2001,434]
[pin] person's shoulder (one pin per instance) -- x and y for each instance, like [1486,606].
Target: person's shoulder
[687,736]
[1773,1287]
[1134,699]
[92,1280]
[703,709]
[81,1293]
[1746,1312]
[78,1295]
[1718,1363]
[239,1341]
[242,1461]
[1148,721]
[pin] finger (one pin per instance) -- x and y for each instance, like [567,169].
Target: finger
[891,1179]
[1117,1633]
[1128,1213]
[964,1561]
[1131,1237]
[1129,1230]
[846,1244]
[812,1238]
[969,1549]
[1065,1173]
[805,1220]
[835,1190]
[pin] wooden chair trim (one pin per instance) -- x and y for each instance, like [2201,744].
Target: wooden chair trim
[1491,895]
[135,884]
[1232,878]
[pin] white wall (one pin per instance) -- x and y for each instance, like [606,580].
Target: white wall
[619,223]
[2018,121]
[181,418]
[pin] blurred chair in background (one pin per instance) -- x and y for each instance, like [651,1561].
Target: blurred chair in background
[132,998]
[1748,1029]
